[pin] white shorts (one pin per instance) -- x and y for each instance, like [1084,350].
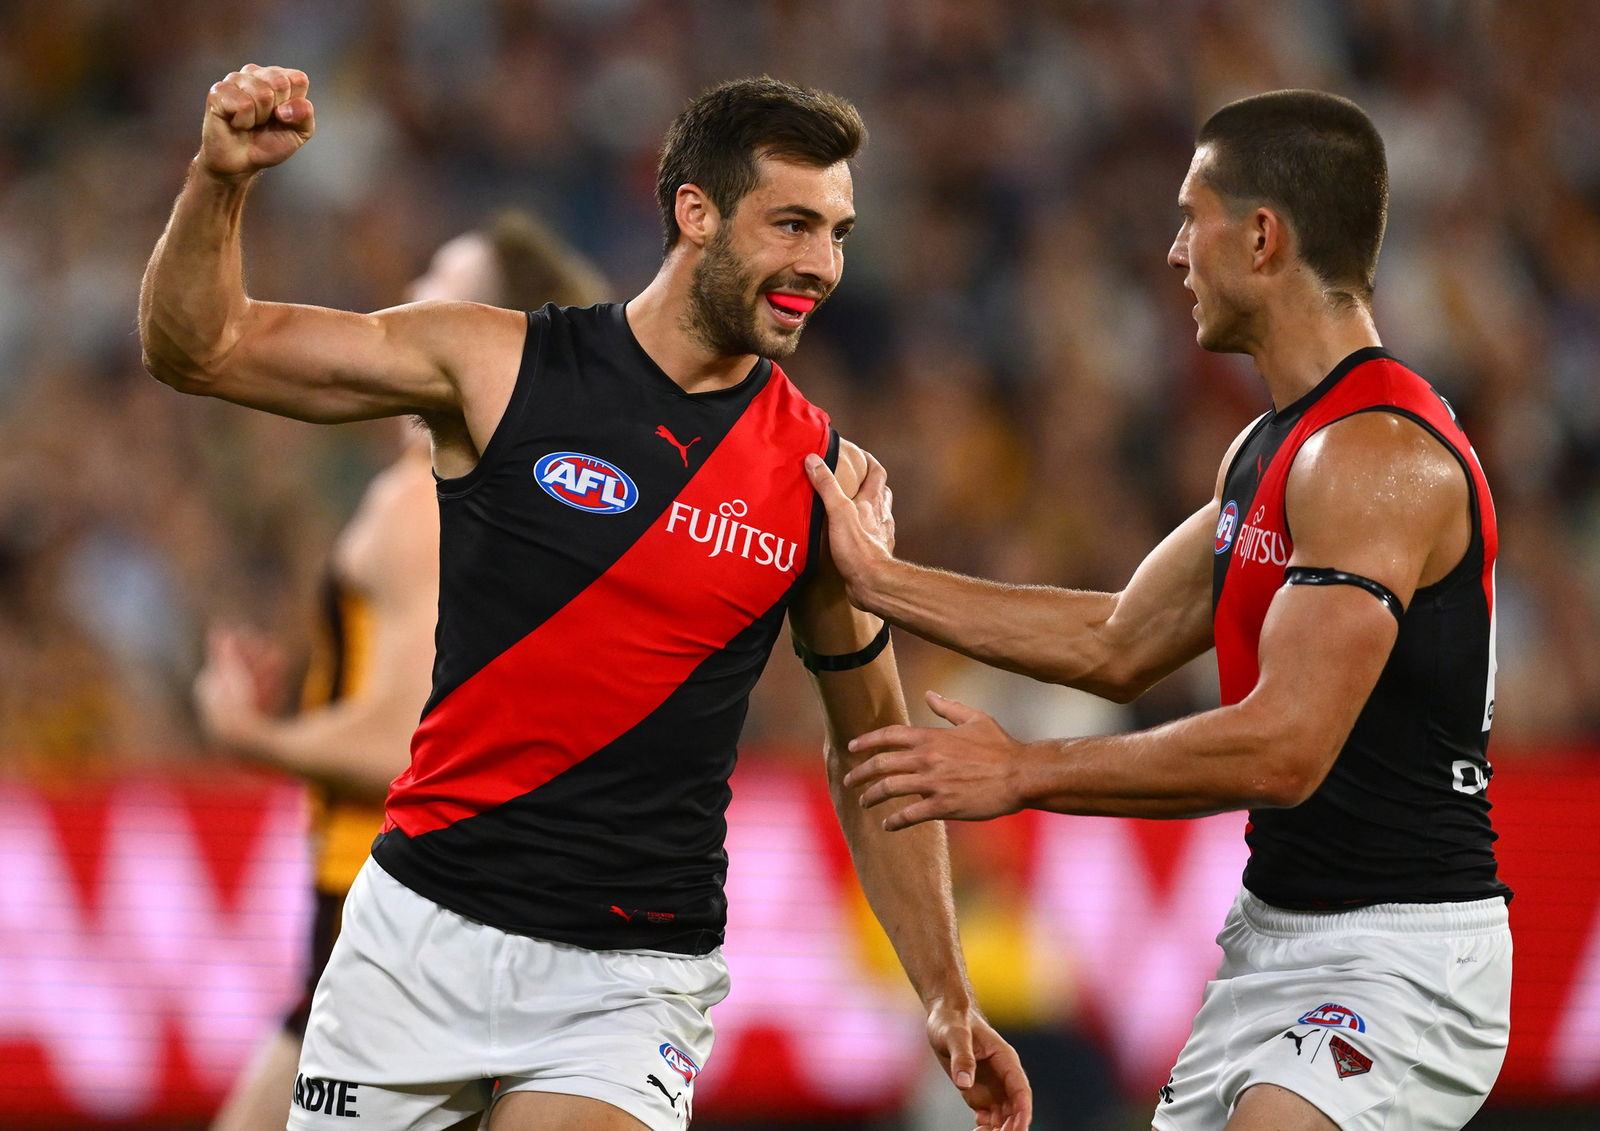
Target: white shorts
[1393,1016]
[424,1017]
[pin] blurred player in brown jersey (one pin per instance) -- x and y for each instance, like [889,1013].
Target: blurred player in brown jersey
[370,669]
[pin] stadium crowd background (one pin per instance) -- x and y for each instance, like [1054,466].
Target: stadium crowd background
[1008,338]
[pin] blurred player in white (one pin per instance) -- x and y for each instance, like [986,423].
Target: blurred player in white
[373,654]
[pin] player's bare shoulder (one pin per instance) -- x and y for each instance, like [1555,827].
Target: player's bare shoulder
[1385,475]
[852,466]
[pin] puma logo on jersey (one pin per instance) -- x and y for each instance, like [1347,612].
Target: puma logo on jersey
[649,916]
[683,449]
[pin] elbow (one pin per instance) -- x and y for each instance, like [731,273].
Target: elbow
[166,360]
[1288,778]
[1279,791]
[175,376]
[1117,682]
[1118,691]
[184,378]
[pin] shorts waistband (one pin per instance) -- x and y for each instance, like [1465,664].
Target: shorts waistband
[1476,917]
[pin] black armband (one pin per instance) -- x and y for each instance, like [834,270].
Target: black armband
[847,662]
[1316,575]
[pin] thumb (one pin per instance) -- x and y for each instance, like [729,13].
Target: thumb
[963,1064]
[951,710]
[823,481]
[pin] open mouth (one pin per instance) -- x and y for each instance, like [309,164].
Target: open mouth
[790,310]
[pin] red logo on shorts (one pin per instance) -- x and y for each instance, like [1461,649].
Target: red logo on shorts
[1347,1059]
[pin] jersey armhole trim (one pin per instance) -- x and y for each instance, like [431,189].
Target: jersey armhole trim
[530,364]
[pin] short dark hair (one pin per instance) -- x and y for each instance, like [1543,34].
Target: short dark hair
[1318,159]
[537,266]
[716,140]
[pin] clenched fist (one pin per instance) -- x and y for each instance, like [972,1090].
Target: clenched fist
[255,118]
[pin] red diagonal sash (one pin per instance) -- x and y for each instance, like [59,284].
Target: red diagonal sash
[613,654]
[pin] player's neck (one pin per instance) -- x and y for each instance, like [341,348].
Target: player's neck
[1300,346]
[659,319]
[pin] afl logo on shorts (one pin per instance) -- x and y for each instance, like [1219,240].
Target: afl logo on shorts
[679,1062]
[586,483]
[1335,1017]
[1227,526]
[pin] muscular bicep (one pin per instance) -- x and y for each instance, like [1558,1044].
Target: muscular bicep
[327,366]
[1377,496]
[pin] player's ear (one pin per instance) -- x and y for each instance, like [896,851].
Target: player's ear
[698,218]
[1269,237]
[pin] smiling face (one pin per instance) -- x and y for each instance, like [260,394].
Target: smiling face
[766,268]
[1213,249]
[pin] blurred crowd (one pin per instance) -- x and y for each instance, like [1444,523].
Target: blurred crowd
[1008,338]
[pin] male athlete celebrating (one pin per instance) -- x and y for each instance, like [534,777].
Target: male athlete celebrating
[623,524]
[1344,571]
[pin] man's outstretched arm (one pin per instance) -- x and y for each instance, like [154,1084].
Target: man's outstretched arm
[906,881]
[1112,644]
[1321,652]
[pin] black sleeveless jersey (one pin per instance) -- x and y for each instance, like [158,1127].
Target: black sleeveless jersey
[1403,815]
[613,575]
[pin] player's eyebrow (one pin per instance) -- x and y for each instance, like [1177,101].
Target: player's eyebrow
[807,213]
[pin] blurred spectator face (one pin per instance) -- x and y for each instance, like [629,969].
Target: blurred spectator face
[769,265]
[1213,252]
[462,270]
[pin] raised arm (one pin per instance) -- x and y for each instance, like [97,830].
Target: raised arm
[906,879]
[201,332]
[1372,495]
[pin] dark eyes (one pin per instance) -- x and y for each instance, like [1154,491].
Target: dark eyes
[799,227]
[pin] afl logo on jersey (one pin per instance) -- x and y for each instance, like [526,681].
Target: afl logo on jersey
[679,1062]
[1227,526]
[1335,1017]
[586,483]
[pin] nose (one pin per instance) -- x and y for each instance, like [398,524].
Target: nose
[1178,253]
[821,259]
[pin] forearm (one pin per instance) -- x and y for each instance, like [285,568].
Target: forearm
[906,879]
[1055,635]
[1217,761]
[356,748]
[192,303]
